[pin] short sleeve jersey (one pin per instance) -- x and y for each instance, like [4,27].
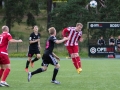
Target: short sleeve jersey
[73,35]
[111,40]
[33,37]
[50,45]
[4,39]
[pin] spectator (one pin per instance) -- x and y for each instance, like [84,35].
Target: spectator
[111,41]
[118,43]
[101,41]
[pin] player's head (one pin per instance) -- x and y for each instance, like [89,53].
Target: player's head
[35,28]
[5,28]
[119,37]
[111,36]
[101,37]
[79,26]
[52,31]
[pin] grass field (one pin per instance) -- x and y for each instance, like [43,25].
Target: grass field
[97,74]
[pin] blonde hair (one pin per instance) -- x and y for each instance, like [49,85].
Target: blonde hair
[4,27]
[51,30]
[79,24]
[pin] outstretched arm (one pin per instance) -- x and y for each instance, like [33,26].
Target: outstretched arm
[62,40]
[14,40]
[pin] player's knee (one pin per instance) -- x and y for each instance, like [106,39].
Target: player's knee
[29,59]
[74,55]
[44,68]
[6,66]
[38,56]
[57,66]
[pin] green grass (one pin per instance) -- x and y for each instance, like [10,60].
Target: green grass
[98,74]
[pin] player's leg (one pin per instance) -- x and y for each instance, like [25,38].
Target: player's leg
[30,54]
[54,62]
[77,57]
[27,63]
[6,72]
[37,52]
[6,66]
[77,60]
[55,72]
[39,70]
[1,71]
[35,59]
[71,52]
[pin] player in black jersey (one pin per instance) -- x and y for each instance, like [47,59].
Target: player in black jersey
[49,57]
[118,43]
[111,41]
[101,41]
[34,46]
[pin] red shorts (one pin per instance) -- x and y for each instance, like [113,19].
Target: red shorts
[4,59]
[72,49]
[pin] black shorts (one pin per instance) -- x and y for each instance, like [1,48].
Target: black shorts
[32,52]
[49,59]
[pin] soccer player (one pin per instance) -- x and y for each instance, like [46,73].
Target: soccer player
[34,46]
[49,57]
[5,38]
[111,41]
[75,35]
[101,41]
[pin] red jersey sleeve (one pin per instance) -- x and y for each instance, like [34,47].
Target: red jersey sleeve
[9,36]
[65,32]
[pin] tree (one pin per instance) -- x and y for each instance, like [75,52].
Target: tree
[15,10]
[68,14]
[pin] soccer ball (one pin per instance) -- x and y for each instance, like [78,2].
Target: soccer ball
[93,4]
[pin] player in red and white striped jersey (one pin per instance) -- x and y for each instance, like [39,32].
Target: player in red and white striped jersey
[5,38]
[75,35]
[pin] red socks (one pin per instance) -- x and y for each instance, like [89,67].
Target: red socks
[5,74]
[79,62]
[1,72]
[76,62]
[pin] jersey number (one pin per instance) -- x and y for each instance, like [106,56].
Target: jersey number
[1,39]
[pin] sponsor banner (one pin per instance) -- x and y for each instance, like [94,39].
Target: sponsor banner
[59,0]
[101,50]
[98,25]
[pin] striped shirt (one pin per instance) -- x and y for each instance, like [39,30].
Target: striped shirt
[73,35]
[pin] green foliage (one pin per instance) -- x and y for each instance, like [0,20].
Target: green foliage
[68,14]
[15,10]
[18,54]
[31,19]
